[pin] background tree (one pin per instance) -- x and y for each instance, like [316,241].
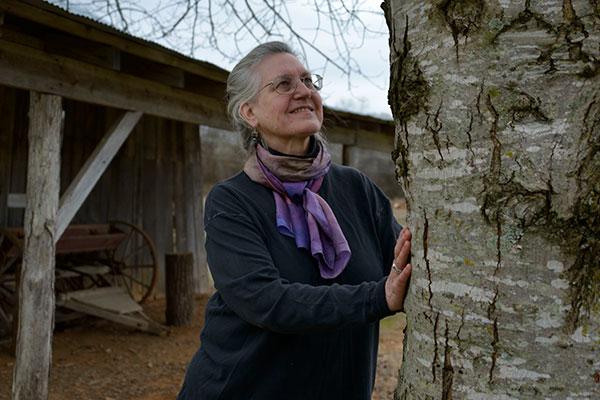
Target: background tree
[497,112]
[193,26]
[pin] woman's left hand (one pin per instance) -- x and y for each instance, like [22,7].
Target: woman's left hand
[397,282]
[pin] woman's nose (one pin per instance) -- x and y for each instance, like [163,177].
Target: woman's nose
[302,90]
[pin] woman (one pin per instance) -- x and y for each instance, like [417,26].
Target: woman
[300,251]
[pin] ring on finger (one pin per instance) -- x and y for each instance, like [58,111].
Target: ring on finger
[395,268]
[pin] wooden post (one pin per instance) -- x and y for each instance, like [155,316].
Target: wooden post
[194,190]
[345,154]
[179,284]
[36,298]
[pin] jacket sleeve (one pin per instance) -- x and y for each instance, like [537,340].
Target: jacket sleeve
[250,284]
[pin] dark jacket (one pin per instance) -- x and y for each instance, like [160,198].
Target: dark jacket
[275,329]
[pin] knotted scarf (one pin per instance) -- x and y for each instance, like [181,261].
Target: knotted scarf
[300,212]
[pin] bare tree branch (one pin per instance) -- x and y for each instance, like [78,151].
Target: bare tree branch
[225,25]
[123,20]
[185,14]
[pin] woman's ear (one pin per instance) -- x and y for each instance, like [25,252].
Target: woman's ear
[247,113]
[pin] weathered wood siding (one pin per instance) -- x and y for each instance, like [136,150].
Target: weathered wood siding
[154,181]
[13,151]
[226,147]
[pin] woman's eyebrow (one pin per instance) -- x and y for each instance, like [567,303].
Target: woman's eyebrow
[288,75]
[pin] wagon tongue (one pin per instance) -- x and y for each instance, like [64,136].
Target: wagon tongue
[113,303]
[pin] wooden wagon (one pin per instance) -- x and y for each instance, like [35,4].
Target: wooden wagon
[105,270]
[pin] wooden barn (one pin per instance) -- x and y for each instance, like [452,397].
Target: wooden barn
[99,126]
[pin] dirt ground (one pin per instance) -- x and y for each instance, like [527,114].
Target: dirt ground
[99,360]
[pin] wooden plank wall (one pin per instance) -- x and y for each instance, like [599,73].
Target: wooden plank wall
[13,151]
[154,182]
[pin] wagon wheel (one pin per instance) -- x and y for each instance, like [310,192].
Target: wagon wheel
[11,252]
[133,262]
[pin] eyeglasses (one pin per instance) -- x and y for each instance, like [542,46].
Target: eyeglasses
[287,84]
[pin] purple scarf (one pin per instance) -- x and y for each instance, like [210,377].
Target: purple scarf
[300,212]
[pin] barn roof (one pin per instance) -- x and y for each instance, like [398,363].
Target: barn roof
[48,49]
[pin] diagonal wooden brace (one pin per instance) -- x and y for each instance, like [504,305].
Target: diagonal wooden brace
[92,170]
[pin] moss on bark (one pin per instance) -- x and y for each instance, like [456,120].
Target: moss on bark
[409,90]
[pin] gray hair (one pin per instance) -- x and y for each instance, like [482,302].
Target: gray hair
[243,85]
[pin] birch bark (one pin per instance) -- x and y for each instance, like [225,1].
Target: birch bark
[497,111]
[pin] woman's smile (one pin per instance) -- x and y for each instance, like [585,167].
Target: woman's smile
[302,109]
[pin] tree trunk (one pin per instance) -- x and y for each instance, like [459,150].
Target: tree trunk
[497,112]
[36,288]
[179,282]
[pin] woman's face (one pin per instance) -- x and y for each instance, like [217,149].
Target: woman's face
[285,122]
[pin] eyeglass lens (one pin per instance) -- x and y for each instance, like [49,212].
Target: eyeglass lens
[286,85]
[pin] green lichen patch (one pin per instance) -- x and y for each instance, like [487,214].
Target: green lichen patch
[493,91]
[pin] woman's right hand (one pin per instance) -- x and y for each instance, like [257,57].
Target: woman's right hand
[396,284]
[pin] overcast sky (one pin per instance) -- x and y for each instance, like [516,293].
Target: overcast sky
[361,94]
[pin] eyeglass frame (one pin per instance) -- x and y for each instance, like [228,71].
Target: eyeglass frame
[297,79]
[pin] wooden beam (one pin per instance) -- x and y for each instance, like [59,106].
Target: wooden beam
[372,140]
[92,170]
[30,34]
[52,16]
[339,134]
[375,141]
[36,289]
[33,69]
[113,304]
[80,49]
[153,71]
[188,97]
